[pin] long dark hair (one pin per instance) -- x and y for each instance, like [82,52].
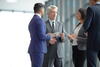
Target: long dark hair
[83,13]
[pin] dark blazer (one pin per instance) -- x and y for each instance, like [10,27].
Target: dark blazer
[92,26]
[81,39]
[37,29]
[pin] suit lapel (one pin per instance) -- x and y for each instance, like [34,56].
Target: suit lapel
[56,26]
[49,27]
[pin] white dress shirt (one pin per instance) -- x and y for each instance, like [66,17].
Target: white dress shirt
[97,2]
[76,31]
[51,22]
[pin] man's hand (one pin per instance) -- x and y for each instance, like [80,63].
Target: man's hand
[53,41]
[62,36]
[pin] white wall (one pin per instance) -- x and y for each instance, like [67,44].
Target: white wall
[14,39]
[19,5]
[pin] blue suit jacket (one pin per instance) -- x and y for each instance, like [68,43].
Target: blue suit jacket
[38,35]
[92,26]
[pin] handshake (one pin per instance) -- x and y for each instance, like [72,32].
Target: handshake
[53,39]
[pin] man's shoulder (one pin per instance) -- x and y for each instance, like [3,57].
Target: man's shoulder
[38,20]
[58,22]
[92,7]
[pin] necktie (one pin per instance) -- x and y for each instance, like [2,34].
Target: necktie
[53,26]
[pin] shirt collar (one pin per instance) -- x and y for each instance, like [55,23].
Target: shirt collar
[97,2]
[51,22]
[38,14]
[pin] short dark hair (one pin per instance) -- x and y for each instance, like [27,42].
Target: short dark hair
[37,7]
[83,13]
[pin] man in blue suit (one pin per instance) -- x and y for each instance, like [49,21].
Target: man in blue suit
[92,27]
[37,29]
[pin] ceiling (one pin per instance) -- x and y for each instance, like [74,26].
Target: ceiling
[19,5]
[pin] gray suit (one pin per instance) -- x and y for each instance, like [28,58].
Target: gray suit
[55,52]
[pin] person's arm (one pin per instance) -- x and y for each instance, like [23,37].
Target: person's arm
[61,36]
[89,19]
[41,33]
